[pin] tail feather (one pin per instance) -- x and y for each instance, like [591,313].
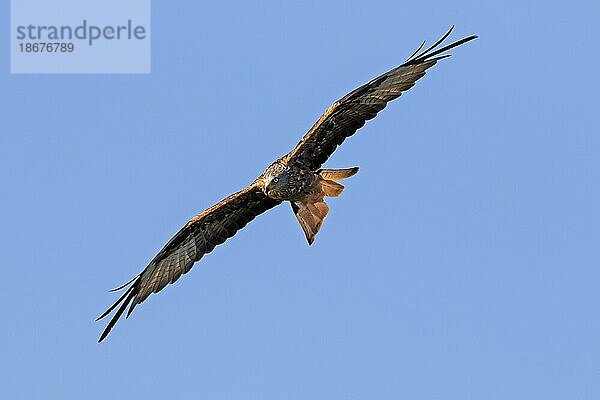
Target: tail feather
[311,211]
[337,174]
[323,208]
[331,188]
[315,212]
[310,216]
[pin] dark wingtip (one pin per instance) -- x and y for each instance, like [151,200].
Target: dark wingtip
[115,304]
[448,47]
[416,51]
[123,285]
[102,337]
[123,301]
[429,53]
[131,308]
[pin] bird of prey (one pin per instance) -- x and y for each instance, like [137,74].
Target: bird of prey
[297,178]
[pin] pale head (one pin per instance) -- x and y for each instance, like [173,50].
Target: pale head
[276,181]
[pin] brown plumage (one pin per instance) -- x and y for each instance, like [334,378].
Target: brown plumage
[197,238]
[296,178]
[311,210]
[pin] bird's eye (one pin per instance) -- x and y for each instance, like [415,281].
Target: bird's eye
[275,180]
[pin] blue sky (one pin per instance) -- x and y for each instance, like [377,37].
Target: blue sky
[461,262]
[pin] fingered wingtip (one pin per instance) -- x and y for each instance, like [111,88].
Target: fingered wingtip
[123,301]
[102,337]
[428,54]
[123,285]
[104,314]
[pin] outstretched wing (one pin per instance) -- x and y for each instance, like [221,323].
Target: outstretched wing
[197,238]
[350,113]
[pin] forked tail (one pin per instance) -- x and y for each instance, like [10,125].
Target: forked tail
[312,210]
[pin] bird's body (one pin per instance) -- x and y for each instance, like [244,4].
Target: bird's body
[305,190]
[287,182]
[297,178]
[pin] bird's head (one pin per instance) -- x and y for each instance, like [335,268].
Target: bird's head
[276,181]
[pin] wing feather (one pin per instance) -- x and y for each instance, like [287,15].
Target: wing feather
[197,238]
[351,112]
